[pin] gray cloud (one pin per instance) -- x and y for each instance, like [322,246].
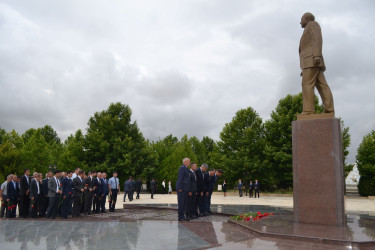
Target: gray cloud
[182,66]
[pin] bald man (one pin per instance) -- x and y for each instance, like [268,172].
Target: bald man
[312,65]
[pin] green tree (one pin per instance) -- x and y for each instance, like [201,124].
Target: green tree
[345,145]
[36,154]
[114,143]
[240,149]
[278,149]
[366,165]
[74,152]
[10,153]
[168,167]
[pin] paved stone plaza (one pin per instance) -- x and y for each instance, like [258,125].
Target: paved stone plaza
[152,224]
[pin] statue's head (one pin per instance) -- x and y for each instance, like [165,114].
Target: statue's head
[307,17]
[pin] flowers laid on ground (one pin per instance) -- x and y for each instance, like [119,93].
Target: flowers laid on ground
[251,216]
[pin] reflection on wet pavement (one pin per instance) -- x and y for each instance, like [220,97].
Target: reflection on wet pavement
[151,228]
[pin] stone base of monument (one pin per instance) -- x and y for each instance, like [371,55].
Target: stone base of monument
[318,172]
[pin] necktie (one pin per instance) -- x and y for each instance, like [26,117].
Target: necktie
[37,185]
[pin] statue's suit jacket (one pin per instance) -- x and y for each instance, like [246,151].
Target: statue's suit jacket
[310,46]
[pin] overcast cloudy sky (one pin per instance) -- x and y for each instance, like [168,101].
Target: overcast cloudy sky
[182,66]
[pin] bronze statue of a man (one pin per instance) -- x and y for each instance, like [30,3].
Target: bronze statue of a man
[312,65]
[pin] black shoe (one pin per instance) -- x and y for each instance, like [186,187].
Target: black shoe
[209,213]
[187,219]
[193,217]
[181,219]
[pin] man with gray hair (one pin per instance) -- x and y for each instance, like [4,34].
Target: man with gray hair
[3,195]
[183,185]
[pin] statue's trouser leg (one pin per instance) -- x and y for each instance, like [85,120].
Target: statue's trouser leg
[308,82]
[325,93]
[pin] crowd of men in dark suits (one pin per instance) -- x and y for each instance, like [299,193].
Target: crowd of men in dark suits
[254,188]
[194,190]
[131,186]
[59,194]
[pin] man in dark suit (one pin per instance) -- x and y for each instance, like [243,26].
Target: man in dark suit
[191,208]
[132,189]
[138,187]
[251,189]
[127,189]
[12,197]
[183,186]
[24,194]
[105,192]
[35,191]
[201,188]
[78,186]
[240,186]
[89,192]
[54,192]
[67,194]
[97,192]
[213,177]
[152,187]
[45,200]
[256,188]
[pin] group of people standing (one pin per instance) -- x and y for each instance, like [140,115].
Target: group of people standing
[60,193]
[194,190]
[130,186]
[253,188]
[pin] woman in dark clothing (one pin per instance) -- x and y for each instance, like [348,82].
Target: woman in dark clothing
[225,188]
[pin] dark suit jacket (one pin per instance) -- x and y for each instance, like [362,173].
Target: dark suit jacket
[24,185]
[206,182]
[257,185]
[98,186]
[200,182]
[183,179]
[138,185]
[45,186]
[251,186]
[89,183]
[212,181]
[127,186]
[12,193]
[105,189]
[34,188]
[67,186]
[77,185]
[240,185]
[193,182]
[153,185]
[132,185]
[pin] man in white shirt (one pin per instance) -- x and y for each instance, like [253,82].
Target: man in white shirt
[3,195]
